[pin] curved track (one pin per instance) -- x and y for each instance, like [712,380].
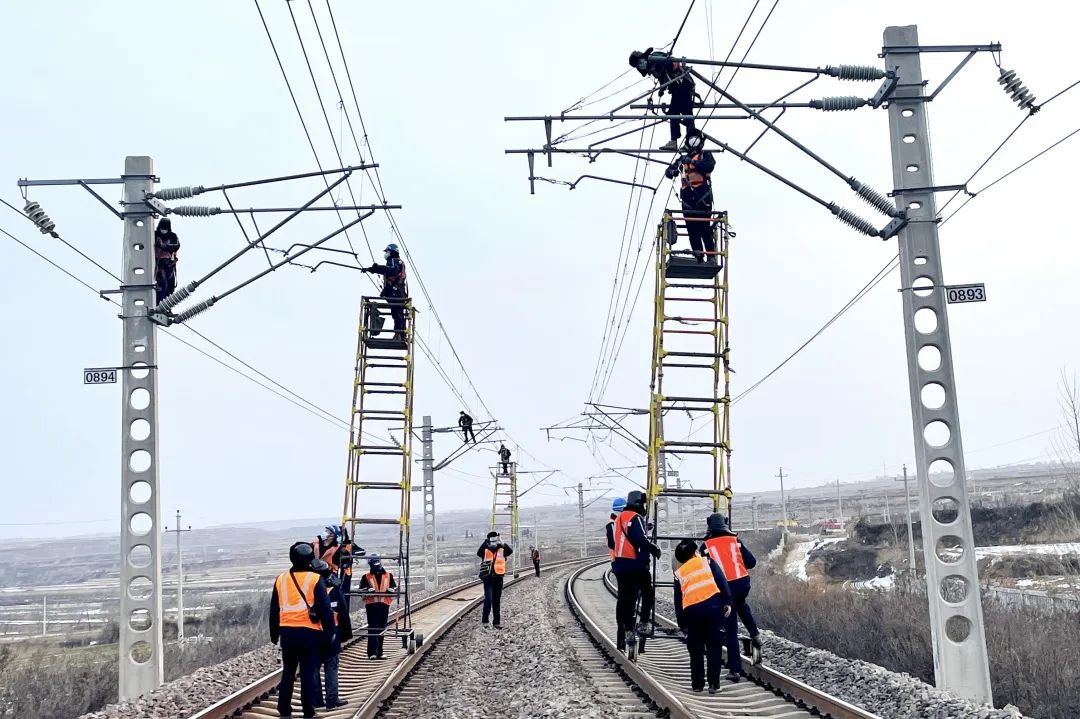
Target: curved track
[364,683]
[663,670]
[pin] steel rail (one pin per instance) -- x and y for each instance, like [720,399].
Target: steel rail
[789,687]
[261,688]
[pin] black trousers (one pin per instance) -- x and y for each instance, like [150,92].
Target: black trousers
[165,278]
[397,313]
[300,649]
[493,588]
[701,235]
[704,624]
[740,588]
[468,432]
[632,586]
[377,615]
[536,566]
[505,467]
[682,103]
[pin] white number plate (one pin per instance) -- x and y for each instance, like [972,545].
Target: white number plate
[101,375]
[965,293]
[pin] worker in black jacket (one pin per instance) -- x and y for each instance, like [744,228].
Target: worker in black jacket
[377,581]
[736,560]
[695,167]
[632,569]
[394,289]
[342,633]
[465,421]
[702,603]
[493,554]
[302,619]
[673,76]
[166,246]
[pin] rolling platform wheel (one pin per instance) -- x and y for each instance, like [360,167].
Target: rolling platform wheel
[631,645]
[755,655]
[411,647]
[420,640]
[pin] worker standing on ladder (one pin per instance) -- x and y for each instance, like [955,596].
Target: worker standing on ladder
[301,617]
[673,76]
[465,422]
[632,570]
[377,580]
[394,290]
[342,633]
[493,554]
[695,166]
[724,547]
[702,604]
[504,458]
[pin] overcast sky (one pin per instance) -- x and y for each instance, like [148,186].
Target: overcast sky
[521,282]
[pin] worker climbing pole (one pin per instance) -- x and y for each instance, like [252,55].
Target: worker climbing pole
[504,506]
[691,372]
[382,406]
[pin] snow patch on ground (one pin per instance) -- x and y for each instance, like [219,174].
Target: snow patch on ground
[799,557]
[1060,549]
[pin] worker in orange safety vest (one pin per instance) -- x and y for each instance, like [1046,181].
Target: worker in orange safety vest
[302,619]
[736,560]
[695,168]
[633,571]
[702,606]
[493,554]
[380,582]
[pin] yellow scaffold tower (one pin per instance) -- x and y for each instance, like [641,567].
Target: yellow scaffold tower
[691,374]
[380,444]
[504,508]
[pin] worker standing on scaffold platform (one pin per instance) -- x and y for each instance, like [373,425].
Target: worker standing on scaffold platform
[493,554]
[674,77]
[696,165]
[702,604]
[394,289]
[301,617]
[724,547]
[632,570]
[504,458]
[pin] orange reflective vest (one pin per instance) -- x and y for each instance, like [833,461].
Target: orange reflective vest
[498,561]
[382,584]
[347,549]
[726,552]
[293,603]
[696,581]
[691,177]
[623,548]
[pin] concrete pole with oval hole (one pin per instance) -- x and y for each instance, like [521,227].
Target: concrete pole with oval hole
[140,652]
[952,579]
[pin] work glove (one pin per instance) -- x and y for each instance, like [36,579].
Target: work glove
[727,611]
[655,551]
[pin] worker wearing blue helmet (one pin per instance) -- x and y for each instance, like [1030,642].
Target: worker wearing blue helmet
[394,289]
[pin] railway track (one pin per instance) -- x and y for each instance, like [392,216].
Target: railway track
[364,683]
[662,672]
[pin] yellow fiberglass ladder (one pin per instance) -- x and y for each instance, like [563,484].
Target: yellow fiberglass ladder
[504,508]
[380,446]
[690,385]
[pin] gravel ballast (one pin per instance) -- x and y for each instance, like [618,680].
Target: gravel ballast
[888,694]
[525,669]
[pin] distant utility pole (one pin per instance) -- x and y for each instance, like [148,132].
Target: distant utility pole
[960,659]
[581,515]
[753,513]
[783,504]
[44,613]
[179,578]
[431,543]
[839,501]
[910,526]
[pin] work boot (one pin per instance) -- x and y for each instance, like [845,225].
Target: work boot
[620,641]
[732,677]
[713,688]
[671,146]
[338,704]
[641,645]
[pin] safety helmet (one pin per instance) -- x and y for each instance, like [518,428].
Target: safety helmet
[374,561]
[321,567]
[640,60]
[686,549]
[636,497]
[694,142]
[716,523]
[392,247]
[618,504]
[164,224]
[301,554]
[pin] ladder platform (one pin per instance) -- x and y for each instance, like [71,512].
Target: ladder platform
[386,344]
[689,492]
[377,485]
[676,538]
[373,520]
[688,268]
